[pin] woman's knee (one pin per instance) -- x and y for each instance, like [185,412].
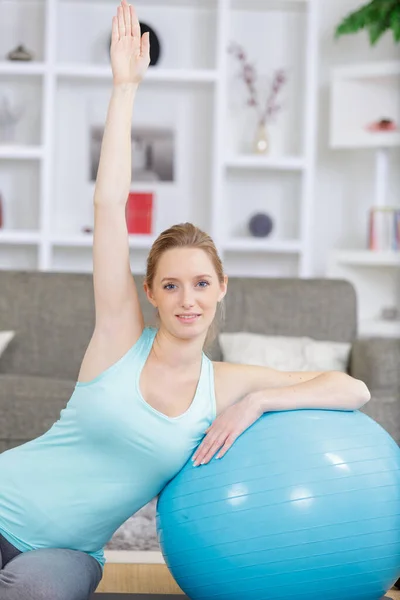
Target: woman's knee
[50,574]
[26,586]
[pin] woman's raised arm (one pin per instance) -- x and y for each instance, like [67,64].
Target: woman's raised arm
[115,292]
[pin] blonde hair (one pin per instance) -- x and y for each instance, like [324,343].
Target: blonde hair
[187,235]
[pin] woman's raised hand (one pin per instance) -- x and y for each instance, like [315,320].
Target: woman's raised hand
[130,51]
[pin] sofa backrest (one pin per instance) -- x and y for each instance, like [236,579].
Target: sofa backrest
[53,315]
[323,309]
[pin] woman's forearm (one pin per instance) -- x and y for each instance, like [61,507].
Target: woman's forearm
[115,166]
[332,390]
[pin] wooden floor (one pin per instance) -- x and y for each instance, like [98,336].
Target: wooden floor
[137,578]
[152,579]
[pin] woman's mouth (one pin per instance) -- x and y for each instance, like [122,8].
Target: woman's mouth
[191,318]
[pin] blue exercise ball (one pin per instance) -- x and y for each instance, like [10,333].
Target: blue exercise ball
[305,505]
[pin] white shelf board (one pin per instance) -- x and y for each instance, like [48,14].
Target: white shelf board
[141,186]
[178,3]
[14,152]
[236,4]
[366,140]
[258,5]
[280,163]
[86,240]
[367,258]
[13,67]
[379,328]
[182,75]
[76,71]
[19,237]
[367,70]
[160,3]
[262,245]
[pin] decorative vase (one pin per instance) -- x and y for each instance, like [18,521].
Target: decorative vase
[9,118]
[261,141]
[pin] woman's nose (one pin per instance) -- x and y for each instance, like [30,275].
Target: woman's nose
[187,303]
[187,299]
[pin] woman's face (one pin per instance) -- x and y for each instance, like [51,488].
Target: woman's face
[186,283]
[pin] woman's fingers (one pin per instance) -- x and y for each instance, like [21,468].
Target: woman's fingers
[114,31]
[135,27]
[127,17]
[145,51]
[121,22]
[132,16]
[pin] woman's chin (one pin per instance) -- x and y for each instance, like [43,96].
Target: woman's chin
[197,327]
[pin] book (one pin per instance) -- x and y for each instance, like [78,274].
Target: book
[384,228]
[139,212]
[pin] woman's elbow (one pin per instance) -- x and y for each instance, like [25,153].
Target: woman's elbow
[364,394]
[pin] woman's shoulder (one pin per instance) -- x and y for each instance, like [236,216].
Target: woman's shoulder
[227,382]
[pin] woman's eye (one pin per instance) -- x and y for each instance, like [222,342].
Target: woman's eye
[168,286]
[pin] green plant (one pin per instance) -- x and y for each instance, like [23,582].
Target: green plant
[377,17]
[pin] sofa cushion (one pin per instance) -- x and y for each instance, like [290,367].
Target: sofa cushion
[30,405]
[54,315]
[285,353]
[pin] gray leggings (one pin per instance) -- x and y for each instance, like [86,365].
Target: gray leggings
[46,574]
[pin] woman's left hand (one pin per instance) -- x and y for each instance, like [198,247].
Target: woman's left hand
[226,428]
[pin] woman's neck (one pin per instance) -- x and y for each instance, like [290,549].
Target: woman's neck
[177,353]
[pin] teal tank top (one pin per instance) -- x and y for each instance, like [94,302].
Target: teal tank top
[107,455]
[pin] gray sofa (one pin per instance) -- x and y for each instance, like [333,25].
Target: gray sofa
[53,316]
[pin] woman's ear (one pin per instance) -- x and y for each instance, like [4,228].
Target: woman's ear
[224,287]
[149,295]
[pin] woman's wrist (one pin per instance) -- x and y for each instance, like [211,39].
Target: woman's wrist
[126,87]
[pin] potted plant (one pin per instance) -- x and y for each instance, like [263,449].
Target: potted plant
[376,17]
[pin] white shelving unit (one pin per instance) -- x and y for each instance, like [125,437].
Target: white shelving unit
[361,94]
[88,72]
[368,258]
[375,276]
[218,183]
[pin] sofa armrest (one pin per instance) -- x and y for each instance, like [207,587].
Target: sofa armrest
[376,361]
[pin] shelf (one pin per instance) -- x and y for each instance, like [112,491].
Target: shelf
[379,328]
[374,70]
[13,67]
[262,245]
[269,4]
[368,258]
[156,3]
[76,71]
[145,242]
[65,89]
[86,241]
[182,75]
[10,152]
[368,140]
[361,95]
[284,163]
[19,237]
